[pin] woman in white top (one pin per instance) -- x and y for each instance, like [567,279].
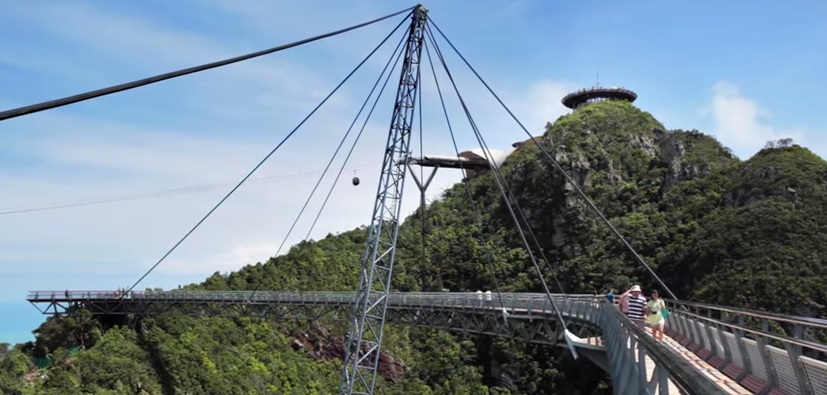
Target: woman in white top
[654,315]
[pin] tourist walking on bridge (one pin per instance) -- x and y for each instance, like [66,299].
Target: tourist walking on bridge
[654,315]
[635,305]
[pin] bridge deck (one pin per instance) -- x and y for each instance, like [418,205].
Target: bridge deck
[718,347]
[725,384]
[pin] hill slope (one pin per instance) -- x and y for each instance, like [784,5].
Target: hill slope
[703,219]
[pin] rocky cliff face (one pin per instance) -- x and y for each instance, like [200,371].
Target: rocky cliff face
[619,154]
[691,154]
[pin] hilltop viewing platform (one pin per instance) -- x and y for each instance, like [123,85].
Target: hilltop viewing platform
[586,96]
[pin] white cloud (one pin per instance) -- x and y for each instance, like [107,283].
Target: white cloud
[542,103]
[246,253]
[742,124]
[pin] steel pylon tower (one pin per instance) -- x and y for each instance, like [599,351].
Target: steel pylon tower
[368,317]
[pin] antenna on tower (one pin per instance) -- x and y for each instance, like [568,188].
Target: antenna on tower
[597,78]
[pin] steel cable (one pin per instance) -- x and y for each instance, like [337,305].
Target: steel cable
[474,208]
[260,163]
[30,109]
[333,157]
[496,174]
[561,170]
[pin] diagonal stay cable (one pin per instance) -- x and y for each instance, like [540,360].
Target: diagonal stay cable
[513,200]
[352,147]
[260,163]
[336,153]
[561,170]
[520,213]
[496,174]
[423,203]
[30,109]
[474,207]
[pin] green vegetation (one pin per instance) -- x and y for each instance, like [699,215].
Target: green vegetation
[715,228]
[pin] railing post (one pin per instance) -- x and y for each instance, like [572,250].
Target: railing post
[662,377]
[794,351]
[714,343]
[769,366]
[723,317]
[739,341]
[641,368]
[633,379]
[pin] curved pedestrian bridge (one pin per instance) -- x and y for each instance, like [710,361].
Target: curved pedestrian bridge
[708,349]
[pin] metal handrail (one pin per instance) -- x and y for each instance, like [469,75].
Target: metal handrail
[687,378]
[758,332]
[617,329]
[792,319]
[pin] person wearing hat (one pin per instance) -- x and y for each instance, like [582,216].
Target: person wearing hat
[635,305]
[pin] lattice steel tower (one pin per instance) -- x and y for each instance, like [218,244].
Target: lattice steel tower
[368,317]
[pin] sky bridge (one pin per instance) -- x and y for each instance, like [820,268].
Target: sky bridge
[708,349]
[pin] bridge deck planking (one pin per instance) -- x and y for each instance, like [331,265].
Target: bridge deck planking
[726,384]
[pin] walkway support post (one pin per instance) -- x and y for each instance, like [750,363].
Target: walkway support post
[367,320]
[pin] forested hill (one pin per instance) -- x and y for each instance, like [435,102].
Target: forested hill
[714,227]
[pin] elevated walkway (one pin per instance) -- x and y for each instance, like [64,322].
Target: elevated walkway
[708,349]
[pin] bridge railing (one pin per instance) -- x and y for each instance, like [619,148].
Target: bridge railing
[447,299]
[744,352]
[627,348]
[760,350]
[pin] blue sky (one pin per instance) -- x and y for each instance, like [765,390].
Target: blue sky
[746,72]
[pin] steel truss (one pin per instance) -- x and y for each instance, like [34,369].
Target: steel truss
[536,329]
[368,316]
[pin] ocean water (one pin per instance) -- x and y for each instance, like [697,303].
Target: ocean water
[17,321]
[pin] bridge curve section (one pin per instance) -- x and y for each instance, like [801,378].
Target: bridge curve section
[709,349]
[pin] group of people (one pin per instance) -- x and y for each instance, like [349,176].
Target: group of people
[643,312]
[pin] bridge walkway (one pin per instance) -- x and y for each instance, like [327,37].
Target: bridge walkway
[708,349]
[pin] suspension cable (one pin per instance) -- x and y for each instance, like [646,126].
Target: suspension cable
[477,214]
[422,203]
[495,172]
[352,147]
[266,157]
[520,214]
[341,143]
[513,200]
[561,170]
[47,105]
[8,210]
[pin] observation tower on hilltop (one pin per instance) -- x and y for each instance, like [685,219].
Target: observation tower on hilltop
[597,93]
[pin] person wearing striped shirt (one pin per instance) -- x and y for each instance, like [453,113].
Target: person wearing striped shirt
[635,305]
